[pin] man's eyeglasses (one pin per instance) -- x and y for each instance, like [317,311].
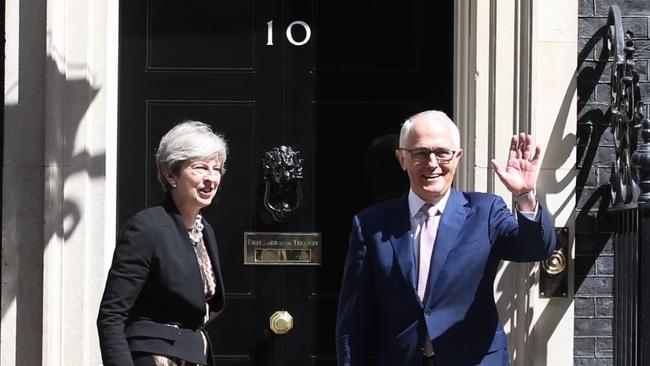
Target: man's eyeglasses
[422,155]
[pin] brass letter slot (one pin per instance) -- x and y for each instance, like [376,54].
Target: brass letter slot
[282,249]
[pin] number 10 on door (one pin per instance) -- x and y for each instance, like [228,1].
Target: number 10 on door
[289,34]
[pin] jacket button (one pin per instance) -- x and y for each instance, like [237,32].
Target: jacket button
[427,312]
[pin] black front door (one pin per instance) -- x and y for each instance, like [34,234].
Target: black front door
[333,79]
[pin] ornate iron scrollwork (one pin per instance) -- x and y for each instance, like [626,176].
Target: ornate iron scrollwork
[641,161]
[282,169]
[625,109]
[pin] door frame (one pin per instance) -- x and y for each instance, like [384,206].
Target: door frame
[483,95]
[517,88]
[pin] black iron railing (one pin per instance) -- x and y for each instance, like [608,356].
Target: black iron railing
[632,285]
[630,190]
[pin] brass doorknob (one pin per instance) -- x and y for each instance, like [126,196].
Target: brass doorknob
[555,264]
[281,322]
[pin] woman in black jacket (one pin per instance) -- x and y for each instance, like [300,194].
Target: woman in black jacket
[164,284]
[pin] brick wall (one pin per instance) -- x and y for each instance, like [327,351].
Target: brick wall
[594,262]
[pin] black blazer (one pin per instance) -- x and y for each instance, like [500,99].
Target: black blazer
[153,301]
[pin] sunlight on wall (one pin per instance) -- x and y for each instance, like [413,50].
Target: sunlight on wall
[12,23]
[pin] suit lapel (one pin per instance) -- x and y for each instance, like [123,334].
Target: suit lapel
[177,229]
[211,246]
[402,242]
[449,229]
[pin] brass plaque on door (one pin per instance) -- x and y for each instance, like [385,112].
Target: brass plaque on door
[273,248]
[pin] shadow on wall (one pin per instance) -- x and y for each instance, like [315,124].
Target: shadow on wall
[595,154]
[547,322]
[591,126]
[35,208]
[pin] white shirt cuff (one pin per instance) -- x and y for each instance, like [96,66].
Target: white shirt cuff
[531,215]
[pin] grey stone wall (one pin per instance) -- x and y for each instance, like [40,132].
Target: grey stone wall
[594,261]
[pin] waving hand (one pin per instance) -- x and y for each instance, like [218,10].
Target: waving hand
[520,173]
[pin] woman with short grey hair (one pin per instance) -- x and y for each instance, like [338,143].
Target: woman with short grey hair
[164,284]
[188,140]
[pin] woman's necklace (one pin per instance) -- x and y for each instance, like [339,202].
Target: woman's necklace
[196,233]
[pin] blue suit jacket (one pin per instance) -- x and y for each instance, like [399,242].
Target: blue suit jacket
[379,309]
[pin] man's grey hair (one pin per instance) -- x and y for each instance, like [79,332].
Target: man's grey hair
[188,140]
[434,116]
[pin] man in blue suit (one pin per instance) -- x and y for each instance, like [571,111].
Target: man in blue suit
[419,274]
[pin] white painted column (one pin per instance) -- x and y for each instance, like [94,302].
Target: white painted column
[59,175]
[515,64]
[22,191]
[554,123]
[80,157]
